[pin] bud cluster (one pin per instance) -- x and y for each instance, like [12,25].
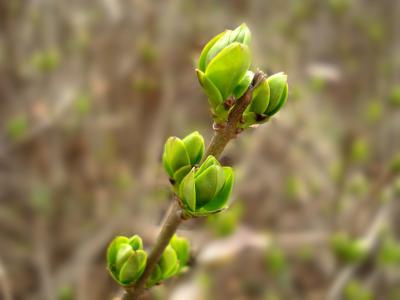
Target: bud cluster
[126,260]
[180,156]
[225,75]
[204,189]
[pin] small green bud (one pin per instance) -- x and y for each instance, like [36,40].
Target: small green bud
[347,249]
[181,155]
[222,66]
[268,98]
[126,259]
[172,261]
[182,249]
[278,93]
[206,190]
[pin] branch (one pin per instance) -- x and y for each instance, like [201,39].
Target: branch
[226,132]
[223,134]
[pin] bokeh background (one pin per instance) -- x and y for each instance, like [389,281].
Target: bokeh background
[89,92]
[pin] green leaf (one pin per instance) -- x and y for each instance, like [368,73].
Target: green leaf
[124,251]
[210,161]
[136,242]
[206,185]
[112,250]
[133,268]
[282,102]
[182,249]
[278,92]
[181,173]
[187,191]
[168,262]
[213,94]
[221,199]
[204,52]
[243,85]
[194,144]
[260,100]
[177,156]
[155,277]
[166,165]
[243,34]
[228,68]
[240,35]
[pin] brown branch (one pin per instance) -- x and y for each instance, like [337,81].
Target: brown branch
[223,134]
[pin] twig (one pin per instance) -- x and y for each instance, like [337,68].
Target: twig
[223,134]
[4,283]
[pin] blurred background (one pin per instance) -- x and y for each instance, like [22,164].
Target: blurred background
[89,92]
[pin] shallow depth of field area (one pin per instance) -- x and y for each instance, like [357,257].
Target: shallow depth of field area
[91,90]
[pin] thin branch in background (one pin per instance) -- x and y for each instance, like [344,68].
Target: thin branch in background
[5,287]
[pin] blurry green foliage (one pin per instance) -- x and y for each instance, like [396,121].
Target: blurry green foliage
[336,170]
[373,111]
[375,31]
[272,296]
[347,249]
[306,253]
[148,52]
[65,293]
[317,83]
[293,187]
[144,84]
[124,179]
[276,262]
[394,97]
[17,127]
[46,60]
[355,291]
[395,164]
[339,6]
[396,187]
[359,151]
[389,252]
[225,224]
[357,185]
[83,104]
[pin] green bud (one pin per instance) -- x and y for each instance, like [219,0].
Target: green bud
[278,93]
[126,259]
[222,66]
[172,261]
[181,155]
[268,98]
[206,190]
[347,249]
[182,249]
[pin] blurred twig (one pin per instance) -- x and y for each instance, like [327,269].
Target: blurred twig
[5,287]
